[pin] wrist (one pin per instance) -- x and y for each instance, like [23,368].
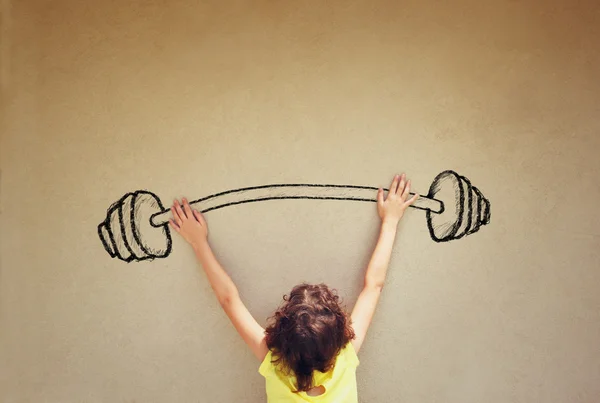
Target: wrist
[200,244]
[390,223]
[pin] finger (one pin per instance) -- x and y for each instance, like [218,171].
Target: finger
[394,185]
[412,199]
[406,191]
[186,208]
[401,185]
[174,226]
[199,217]
[179,210]
[380,196]
[175,215]
[175,212]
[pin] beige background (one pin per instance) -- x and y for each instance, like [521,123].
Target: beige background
[191,98]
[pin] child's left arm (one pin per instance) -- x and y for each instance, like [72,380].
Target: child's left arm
[192,226]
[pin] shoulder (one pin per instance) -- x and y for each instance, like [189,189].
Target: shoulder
[348,355]
[266,366]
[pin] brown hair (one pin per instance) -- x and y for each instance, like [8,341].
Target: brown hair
[308,331]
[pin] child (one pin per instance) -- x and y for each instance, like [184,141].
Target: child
[308,351]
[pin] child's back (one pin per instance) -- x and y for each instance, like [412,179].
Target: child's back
[335,385]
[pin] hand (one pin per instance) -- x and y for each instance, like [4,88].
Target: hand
[190,224]
[392,208]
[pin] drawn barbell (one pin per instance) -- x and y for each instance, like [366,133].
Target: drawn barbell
[136,226]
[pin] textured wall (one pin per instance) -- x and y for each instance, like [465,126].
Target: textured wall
[192,98]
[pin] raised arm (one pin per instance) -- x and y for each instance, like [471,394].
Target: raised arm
[192,226]
[390,211]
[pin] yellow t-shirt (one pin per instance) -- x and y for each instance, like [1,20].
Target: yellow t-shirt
[339,382]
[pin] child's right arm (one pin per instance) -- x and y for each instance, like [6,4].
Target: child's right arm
[390,211]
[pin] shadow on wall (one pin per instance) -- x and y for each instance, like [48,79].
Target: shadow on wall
[136,226]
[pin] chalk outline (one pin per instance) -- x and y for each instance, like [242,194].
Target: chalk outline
[466,190]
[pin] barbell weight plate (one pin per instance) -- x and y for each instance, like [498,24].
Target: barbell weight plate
[476,206]
[116,230]
[451,191]
[153,241]
[127,217]
[105,238]
[465,224]
[485,212]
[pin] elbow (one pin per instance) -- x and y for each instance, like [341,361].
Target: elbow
[374,284]
[227,298]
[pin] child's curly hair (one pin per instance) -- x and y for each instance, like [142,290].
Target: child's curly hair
[308,331]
